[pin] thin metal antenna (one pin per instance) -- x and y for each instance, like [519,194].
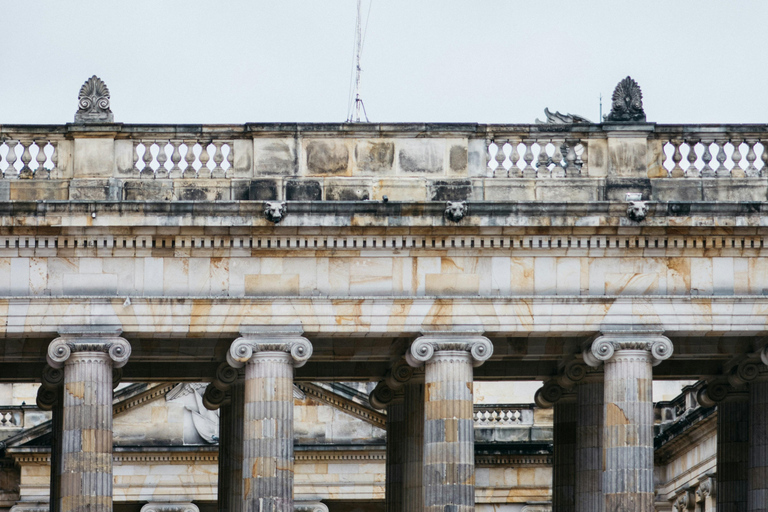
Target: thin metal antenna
[600,119]
[358,107]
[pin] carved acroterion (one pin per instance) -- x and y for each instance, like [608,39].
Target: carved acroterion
[93,102]
[627,103]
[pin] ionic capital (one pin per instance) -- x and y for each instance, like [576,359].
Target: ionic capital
[423,349]
[610,345]
[242,349]
[61,349]
[170,507]
[307,506]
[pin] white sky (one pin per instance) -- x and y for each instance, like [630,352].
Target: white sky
[170,61]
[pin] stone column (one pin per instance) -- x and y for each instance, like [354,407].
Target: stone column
[269,359]
[758,447]
[564,456]
[628,416]
[226,393]
[588,464]
[449,442]
[86,442]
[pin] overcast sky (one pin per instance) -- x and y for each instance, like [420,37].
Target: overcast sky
[169,61]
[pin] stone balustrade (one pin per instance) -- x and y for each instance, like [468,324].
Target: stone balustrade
[404,162]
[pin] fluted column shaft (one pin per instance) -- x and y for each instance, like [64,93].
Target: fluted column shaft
[405,438]
[758,447]
[588,465]
[230,489]
[628,415]
[732,452]
[449,438]
[269,359]
[85,458]
[564,456]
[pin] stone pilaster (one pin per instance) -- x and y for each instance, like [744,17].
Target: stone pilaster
[589,445]
[269,359]
[449,443]
[564,456]
[86,441]
[628,416]
[758,447]
[732,452]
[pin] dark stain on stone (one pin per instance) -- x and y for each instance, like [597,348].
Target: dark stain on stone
[304,190]
[262,190]
[451,190]
[375,156]
[458,158]
[327,157]
[616,188]
[341,193]
[679,209]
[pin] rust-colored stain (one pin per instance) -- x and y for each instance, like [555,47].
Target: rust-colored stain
[76,389]
[615,416]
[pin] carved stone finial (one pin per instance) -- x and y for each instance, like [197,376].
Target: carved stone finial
[93,102]
[627,106]
[637,210]
[274,211]
[455,210]
[558,118]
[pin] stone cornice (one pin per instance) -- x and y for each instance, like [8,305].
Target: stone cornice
[702,426]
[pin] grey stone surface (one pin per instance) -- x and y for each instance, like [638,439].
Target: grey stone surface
[733,453]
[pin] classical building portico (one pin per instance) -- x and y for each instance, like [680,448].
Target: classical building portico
[269,258]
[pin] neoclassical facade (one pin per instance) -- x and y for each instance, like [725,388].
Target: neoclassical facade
[422,258]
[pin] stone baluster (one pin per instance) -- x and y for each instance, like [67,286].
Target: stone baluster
[10,158]
[41,172]
[558,155]
[707,171]
[218,158]
[692,171]
[88,359]
[542,163]
[571,169]
[162,158]
[721,171]
[764,158]
[231,158]
[529,171]
[677,157]
[226,393]
[269,358]
[751,171]
[628,415]
[449,443]
[402,395]
[500,158]
[26,158]
[204,172]
[189,158]
[514,157]
[54,157]
[175,171]
[147,171]
[737,171]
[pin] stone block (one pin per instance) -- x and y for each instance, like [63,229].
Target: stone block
[374,157]
[421,156]
[303,190]
[264,189]
[627,157]
[124,165]
[734,189]
[325,157]
[95,190]
[571,189]
[347,189]
[274,157]
[676,189]
[148,190]
[242,165]
[94,157]
[542,434]
[36,190]
[477,151]
[201,190]
[401,189]
[597,158]
[458,158]
[509,189]
[616,189]
[454,190]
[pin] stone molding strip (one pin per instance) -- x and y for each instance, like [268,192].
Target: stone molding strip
[133,245]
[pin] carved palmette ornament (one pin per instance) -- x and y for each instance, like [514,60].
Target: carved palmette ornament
[627,103]
[93,102]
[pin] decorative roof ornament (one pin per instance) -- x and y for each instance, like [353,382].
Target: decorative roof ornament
[93,102]
[558,118]
[627,104]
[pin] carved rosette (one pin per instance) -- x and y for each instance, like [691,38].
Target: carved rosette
[608,346]
[242,349]
[62,348]
[423,349]
[170,507]
[93,102]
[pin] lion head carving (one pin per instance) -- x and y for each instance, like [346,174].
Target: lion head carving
[455,210]
[274,211]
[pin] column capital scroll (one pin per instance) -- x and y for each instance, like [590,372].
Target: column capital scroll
[169,507]
[605,347]
[424,347]
[242,349]
[61,349]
